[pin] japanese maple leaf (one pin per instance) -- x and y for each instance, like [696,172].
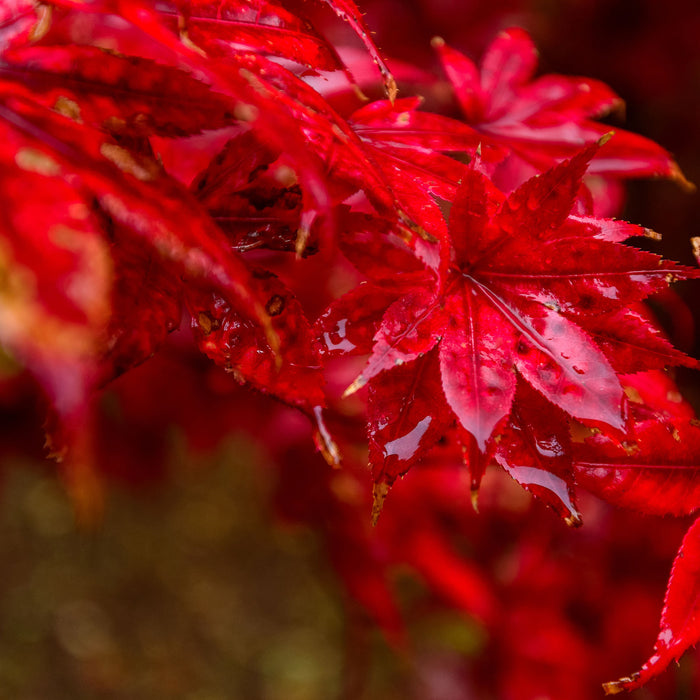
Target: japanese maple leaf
[679,628]
[548,118]
[126,95]
[263,26]
[527,278]
[655,467]
[291,372]
[98,242]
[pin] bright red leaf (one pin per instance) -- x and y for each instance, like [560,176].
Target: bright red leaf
[524,281]
[166,157]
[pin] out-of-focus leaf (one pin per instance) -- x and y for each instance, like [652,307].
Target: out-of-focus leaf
[544,120]
[120,94]
[679,619]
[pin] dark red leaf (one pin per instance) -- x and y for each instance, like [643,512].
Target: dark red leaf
[655,467]
[146,307]
[535,449]
[632,342]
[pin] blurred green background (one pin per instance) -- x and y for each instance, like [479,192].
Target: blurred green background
[189,592]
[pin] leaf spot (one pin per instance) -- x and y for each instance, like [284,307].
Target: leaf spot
[275,305]
[33,161]
[205,323]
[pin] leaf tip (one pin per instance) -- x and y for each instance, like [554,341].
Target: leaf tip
[357,91]
[355,386]
[188,43]
[605,138]
[44,16]
[613,688]
[474,494]
[271,336]
[379,494]
[676,174]
[324,441]
[618,686]
[302,239]
[414,228]
[695,243]
[574,520]
[392,89]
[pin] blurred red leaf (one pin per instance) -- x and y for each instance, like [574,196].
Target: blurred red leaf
[680,618]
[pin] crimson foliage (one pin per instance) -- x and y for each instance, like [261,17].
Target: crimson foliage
[216,161]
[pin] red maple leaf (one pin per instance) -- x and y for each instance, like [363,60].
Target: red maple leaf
[527,277]
[548,118]
[505,330]
[654,466]
[679,628]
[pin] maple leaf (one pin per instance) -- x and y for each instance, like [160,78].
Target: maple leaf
[84,324]
[548,118]
[126,95]
[348,10]
[262,26]
[525,279]
[654,468]
[679,618]
[289,371]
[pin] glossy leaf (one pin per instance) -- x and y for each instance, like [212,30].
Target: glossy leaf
[409,329]
[515,302]
[290,372]
[350,12]
[404,419]
[476,360]
[262,26]
[350,324]
[535,449]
